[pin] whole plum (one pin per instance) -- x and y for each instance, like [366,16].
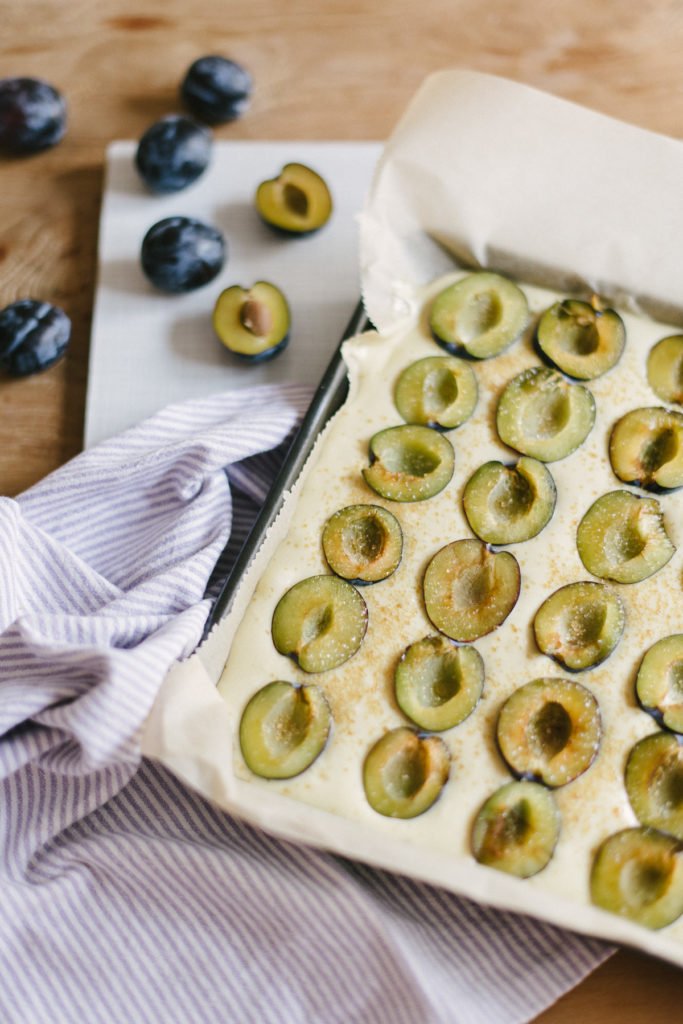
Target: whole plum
[32,115]
[180,253]
[173,153]
[216,89]
[33,336]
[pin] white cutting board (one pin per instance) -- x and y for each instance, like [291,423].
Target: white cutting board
[149,349]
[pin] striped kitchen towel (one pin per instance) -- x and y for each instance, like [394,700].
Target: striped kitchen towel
[125,896]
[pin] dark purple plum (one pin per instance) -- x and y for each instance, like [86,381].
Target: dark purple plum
[173,153]
[32,115]
[180,254]
[216,89]
[33,336]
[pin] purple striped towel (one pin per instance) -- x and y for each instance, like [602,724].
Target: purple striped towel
[127,897]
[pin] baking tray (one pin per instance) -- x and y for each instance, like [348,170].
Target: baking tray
[509,220]
[324,823]
[329,396]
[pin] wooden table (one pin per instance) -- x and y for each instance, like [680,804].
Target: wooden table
[324,69]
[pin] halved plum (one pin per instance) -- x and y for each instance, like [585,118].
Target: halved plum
[363,543]
[409,463]
[283,729]
[517,829]
[542,414]
[580,624]
[659,684]
[646,448]
[622,537]
[654,782]
[479,315]
[320,622]
[253,323]
[638,873]
[404,773]
[470,590]
[549,730]
[297,202]
[437,684]
[582,339]
[665,369]
[438,391]
[509,504]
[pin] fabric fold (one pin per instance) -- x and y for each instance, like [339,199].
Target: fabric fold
[127,897]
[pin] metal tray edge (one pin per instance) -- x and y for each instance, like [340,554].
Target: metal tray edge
[329,396]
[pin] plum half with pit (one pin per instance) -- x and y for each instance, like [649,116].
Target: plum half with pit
[32,115]
[638,874]
[283,729]
[297,202]
[580,624]
[253,323]
[470,590]
[437,391]
[517,828]
[409,463]
[216,89]
[33,336]
[405,772]
[180,254]
[542,414]
[173,153]
[654,782]
[646,448]
[479,315]
[363,543]
[659,683]
[583,339]
[438,683]
[549,730]
[320,623]
[509,504]
[665,369]
[622,537]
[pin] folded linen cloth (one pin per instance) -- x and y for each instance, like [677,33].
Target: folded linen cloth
[126,896]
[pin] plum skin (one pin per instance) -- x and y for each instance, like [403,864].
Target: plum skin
[173,153]
[263,357]
[32,115]
[216,89]
[180,254]
[33,336]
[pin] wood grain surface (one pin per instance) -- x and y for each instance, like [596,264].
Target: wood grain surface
[324,69]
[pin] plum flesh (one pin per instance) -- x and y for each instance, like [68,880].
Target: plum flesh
[438,683]
[253,323]
[622,537]
[405,772]
[470,590]
[517,828]
[283,729]
[320,622]
[363,543]
[638,874]
[549,730]
[479,316]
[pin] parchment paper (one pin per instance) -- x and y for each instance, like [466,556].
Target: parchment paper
[502,176]
[508,178]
